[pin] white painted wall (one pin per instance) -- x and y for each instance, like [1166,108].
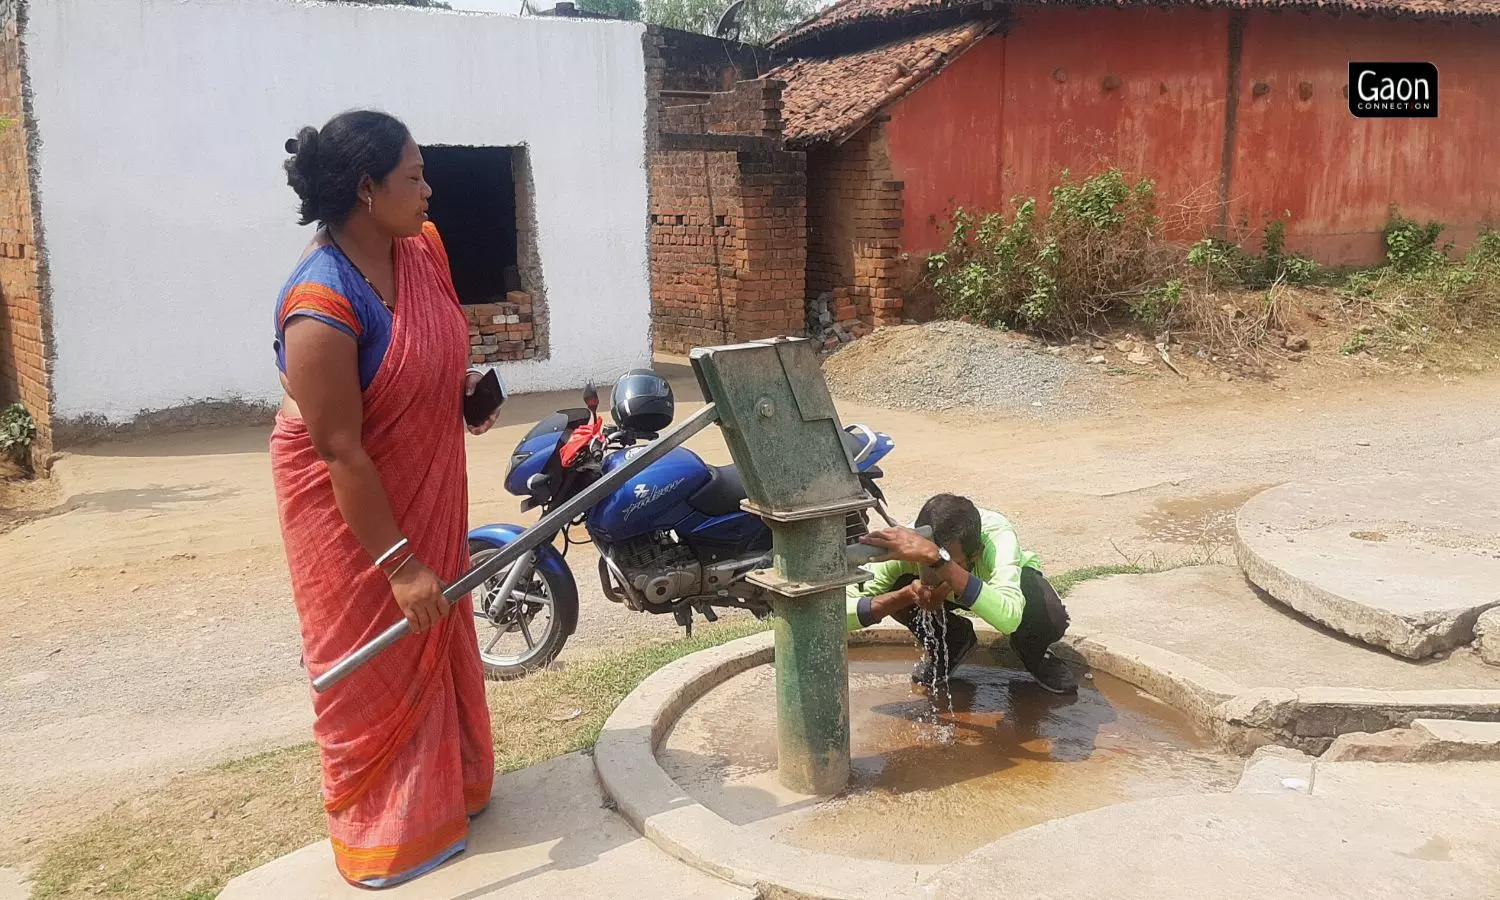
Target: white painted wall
[169,224]
[509,7]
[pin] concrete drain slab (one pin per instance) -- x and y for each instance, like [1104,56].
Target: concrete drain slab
[1403,562]
[1212,615]
[1347,841]
[1205,640]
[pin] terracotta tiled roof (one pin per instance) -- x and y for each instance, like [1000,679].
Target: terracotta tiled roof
[847,13]
[831,99]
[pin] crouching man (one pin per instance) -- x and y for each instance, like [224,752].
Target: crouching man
[973,562]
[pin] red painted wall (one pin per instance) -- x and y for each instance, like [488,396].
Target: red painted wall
[1015,126]
[1006,118]
[944,144]
[1338,175]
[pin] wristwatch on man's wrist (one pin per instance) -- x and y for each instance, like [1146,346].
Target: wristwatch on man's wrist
[944,557]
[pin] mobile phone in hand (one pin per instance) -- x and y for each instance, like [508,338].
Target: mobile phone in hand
[488,395]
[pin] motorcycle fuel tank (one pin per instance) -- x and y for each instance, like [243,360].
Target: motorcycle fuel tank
[655,498]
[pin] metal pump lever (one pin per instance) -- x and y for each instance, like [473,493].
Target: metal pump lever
[529,540]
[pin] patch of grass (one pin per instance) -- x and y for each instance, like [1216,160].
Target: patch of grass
[556,712]
[1201,555]
[1422,300]
[1067,581]
[184,841]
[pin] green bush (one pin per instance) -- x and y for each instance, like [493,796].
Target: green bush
[1096,253]
[1219,262]
[1275,264]
[1224,263]
[17,430]
[1422,292]
[1091,254]
[1156,306]
[1412,247]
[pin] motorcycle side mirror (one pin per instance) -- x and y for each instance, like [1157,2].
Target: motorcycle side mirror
[591,398]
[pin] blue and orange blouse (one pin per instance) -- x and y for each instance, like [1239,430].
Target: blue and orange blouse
[327,287]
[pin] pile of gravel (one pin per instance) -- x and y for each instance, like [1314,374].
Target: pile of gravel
[952,365]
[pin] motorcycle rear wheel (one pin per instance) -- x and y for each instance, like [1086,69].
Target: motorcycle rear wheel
[533,626]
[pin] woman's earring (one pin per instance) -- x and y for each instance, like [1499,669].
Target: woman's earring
[370,204]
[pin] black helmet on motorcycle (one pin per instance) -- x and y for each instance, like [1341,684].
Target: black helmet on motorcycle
[642,401]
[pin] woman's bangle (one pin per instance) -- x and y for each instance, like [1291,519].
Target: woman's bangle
[389,554]
[391,575]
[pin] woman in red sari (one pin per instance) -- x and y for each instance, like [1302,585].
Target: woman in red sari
[368,462]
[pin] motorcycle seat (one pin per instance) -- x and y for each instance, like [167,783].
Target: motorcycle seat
[723,493]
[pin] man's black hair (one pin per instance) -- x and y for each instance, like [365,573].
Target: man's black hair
[953,518]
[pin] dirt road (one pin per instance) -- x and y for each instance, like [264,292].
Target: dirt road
[148,628]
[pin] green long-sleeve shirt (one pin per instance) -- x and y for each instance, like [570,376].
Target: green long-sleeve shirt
[994,590]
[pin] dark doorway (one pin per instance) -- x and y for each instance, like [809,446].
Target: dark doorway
[474,207]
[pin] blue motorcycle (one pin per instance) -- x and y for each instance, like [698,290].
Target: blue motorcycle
[673,539]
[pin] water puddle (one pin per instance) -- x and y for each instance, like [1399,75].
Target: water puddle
[1205,520]
[934,777]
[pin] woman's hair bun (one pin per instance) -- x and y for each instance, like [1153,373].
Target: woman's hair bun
[302,168]
[304,146]
[326,166]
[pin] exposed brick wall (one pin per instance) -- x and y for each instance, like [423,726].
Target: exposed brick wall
[728,223]
[25,327]
[502,332]
[772,264]
[751,108]
[695,222]
[652,45]
[854,229]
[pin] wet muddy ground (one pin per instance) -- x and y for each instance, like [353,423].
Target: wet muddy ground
[930,783]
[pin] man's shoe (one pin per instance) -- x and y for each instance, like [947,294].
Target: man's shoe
[1052,673]
[960,645]
[921,673]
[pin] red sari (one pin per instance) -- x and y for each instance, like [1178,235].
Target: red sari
[405,741]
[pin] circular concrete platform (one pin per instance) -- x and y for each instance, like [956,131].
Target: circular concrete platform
[1240,668]
[1406,562]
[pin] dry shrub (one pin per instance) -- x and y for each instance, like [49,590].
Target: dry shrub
[1234,322]
[1098,257]
[1422,294]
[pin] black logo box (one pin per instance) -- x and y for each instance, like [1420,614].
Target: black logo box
[1393,90]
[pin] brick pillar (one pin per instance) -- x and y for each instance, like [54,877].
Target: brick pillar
[773,264]
[25,323]
[728,222]
[696,219]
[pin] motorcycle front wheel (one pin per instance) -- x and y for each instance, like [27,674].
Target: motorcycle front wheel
[523,633]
